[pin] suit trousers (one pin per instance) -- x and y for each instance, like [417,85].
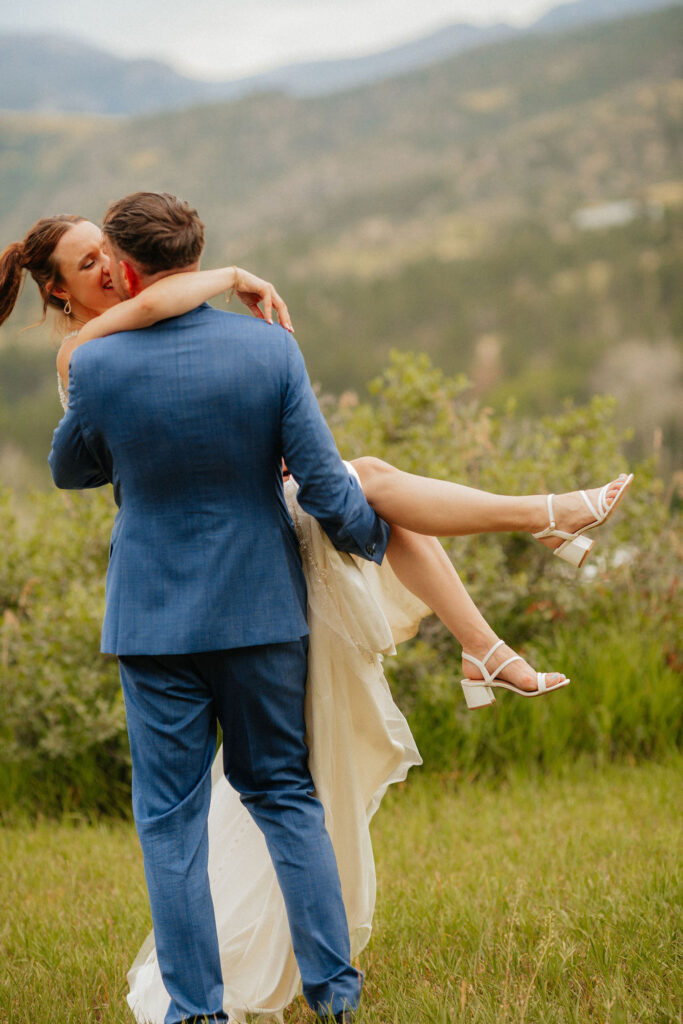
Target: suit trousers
[257,694]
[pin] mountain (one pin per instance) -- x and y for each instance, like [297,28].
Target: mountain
[583,12]
[76,77]
[327,76]
[52,73]
[511,125]
[441,211]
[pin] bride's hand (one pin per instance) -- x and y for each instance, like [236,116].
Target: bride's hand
[253,290]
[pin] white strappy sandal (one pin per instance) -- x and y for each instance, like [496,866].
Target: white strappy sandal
[479,692]
[576,547]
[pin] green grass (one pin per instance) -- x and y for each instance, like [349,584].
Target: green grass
[531,902]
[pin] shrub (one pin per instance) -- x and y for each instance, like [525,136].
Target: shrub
[62,737]
[613,629]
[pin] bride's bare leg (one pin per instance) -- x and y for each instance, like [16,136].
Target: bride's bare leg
[424,568]
[445,509]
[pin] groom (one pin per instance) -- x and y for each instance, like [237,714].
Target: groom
[205,597]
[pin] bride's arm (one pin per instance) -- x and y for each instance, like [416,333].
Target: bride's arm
[172,296]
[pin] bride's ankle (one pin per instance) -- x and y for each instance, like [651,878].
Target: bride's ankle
[478,642]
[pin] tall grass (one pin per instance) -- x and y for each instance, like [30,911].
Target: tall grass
[541,902]
[534,902]
[625,701]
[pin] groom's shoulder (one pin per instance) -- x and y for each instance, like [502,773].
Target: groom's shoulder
[255,335]
[228,325]
[91,352]
[207,324]
[245,325]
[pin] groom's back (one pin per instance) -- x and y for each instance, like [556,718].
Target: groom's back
[187,415]
[192,407]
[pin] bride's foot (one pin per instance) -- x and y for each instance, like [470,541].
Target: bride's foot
[519,674]
[570,514]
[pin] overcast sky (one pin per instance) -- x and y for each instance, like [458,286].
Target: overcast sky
[233,38]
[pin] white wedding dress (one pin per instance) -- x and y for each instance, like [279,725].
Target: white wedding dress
[359,743]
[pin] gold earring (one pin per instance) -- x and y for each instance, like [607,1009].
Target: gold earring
[67,307]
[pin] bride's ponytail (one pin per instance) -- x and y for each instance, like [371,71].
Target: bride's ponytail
[11,273]
[36,255]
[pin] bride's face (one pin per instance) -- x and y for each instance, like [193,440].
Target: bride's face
[84,268]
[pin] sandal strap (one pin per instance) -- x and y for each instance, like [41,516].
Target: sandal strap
[515,657]
[599,515]
[590,506]
[540,682]
[602,500]
[549,530]
[481,665]
[498,643]
[551,516]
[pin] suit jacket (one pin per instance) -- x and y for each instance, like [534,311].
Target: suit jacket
[189,420]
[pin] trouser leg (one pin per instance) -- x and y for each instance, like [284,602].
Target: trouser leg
[172,731]
[259,694]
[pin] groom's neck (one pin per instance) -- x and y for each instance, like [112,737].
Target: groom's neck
[145,280]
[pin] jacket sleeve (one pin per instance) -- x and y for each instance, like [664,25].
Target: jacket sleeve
[326,489]
[74,464]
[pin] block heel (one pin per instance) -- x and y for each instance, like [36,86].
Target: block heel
[477,695]
[576,551]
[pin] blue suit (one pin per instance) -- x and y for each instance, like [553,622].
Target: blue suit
[206,609]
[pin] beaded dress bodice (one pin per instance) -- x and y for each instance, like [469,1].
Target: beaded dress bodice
[63,396]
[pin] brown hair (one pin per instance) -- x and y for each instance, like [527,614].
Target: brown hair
[35,254]
[157,230]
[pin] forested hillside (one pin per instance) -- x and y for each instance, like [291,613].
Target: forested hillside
[441,211]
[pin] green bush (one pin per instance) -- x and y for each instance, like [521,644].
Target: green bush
[63,743]
[614,629]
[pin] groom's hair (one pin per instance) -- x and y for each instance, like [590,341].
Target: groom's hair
[157,230]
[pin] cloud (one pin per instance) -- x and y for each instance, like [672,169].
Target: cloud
[223,38]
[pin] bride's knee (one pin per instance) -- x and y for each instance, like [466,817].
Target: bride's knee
[374,474]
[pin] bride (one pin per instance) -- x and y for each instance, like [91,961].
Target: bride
[358,740]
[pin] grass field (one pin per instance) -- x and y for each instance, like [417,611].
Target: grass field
[546,901]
